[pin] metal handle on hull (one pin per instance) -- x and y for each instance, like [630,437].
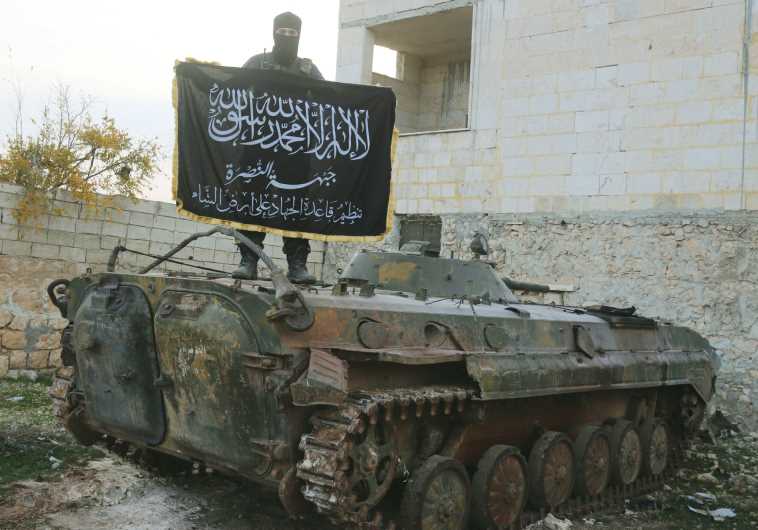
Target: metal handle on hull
[290,306]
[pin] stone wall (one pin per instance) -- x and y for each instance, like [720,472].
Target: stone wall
[29,324]
[72,240]
[698,269]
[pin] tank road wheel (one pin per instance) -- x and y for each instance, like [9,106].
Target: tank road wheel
[437,496]
[551,470]
[626,453]
[499,487]
[654,437]
[592,461]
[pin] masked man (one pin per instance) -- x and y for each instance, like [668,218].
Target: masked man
[282,57]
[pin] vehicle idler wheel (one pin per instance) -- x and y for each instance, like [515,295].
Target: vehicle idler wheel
[654,437]
[626,453]
[499,488]
[437,496]
[551,470]
[592,461]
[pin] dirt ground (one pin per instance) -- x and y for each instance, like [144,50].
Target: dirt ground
[47,481]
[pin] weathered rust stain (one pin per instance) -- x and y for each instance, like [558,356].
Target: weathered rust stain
[396,272]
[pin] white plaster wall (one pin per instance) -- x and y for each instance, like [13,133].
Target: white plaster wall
[406,113]
[444,95]
[587,105]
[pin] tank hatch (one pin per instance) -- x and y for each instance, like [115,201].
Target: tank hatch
[435,277]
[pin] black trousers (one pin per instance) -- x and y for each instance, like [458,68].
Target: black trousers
[292,245]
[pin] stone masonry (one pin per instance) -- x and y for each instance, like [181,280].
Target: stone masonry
[73,240]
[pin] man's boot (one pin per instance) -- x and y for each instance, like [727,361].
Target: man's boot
[248,269]
[297,251]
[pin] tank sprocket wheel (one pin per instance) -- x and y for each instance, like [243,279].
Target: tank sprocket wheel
[437,496]
[551,470]
[626,453]
[370,468]
[656,444]
[499,488]
[350,457]
[592,461]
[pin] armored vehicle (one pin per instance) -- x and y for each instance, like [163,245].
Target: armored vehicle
[415,392]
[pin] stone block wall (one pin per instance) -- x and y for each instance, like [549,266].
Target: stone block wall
[71,240]
[588,105]
[29,324]
[698,269]
[444,94]
[407,94]
[433,94]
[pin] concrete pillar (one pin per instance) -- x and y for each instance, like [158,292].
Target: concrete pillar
[487,44]
[356,55]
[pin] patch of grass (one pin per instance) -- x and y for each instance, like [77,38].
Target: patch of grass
[32,443]
[25,404]
[38,457]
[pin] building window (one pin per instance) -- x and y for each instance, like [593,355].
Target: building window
[422,228]
[432,71]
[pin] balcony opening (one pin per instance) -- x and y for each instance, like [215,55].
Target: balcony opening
[385,63]
[431,75]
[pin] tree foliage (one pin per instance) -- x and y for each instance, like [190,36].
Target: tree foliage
[90,158]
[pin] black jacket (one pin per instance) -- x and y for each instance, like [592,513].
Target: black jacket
[300,66]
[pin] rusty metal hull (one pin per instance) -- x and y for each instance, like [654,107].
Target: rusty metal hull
[208,370]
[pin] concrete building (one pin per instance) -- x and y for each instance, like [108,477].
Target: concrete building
[609,144]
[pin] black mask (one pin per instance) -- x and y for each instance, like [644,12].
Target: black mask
[286,38]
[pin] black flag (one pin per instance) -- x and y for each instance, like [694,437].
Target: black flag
[271,151]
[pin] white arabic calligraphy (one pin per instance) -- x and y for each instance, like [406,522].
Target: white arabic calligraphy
[325,178]
[322,179]
[249,173]
[276,123]
[277,206]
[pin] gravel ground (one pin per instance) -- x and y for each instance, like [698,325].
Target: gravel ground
[47,481]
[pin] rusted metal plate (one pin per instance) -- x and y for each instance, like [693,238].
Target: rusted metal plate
[411,356]
[216,404]
[117,364]
[327,369]
[511,376]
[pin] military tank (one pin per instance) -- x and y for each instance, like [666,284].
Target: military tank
[416,392]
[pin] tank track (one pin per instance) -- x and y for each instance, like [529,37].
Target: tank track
[326,449]
[60,392]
